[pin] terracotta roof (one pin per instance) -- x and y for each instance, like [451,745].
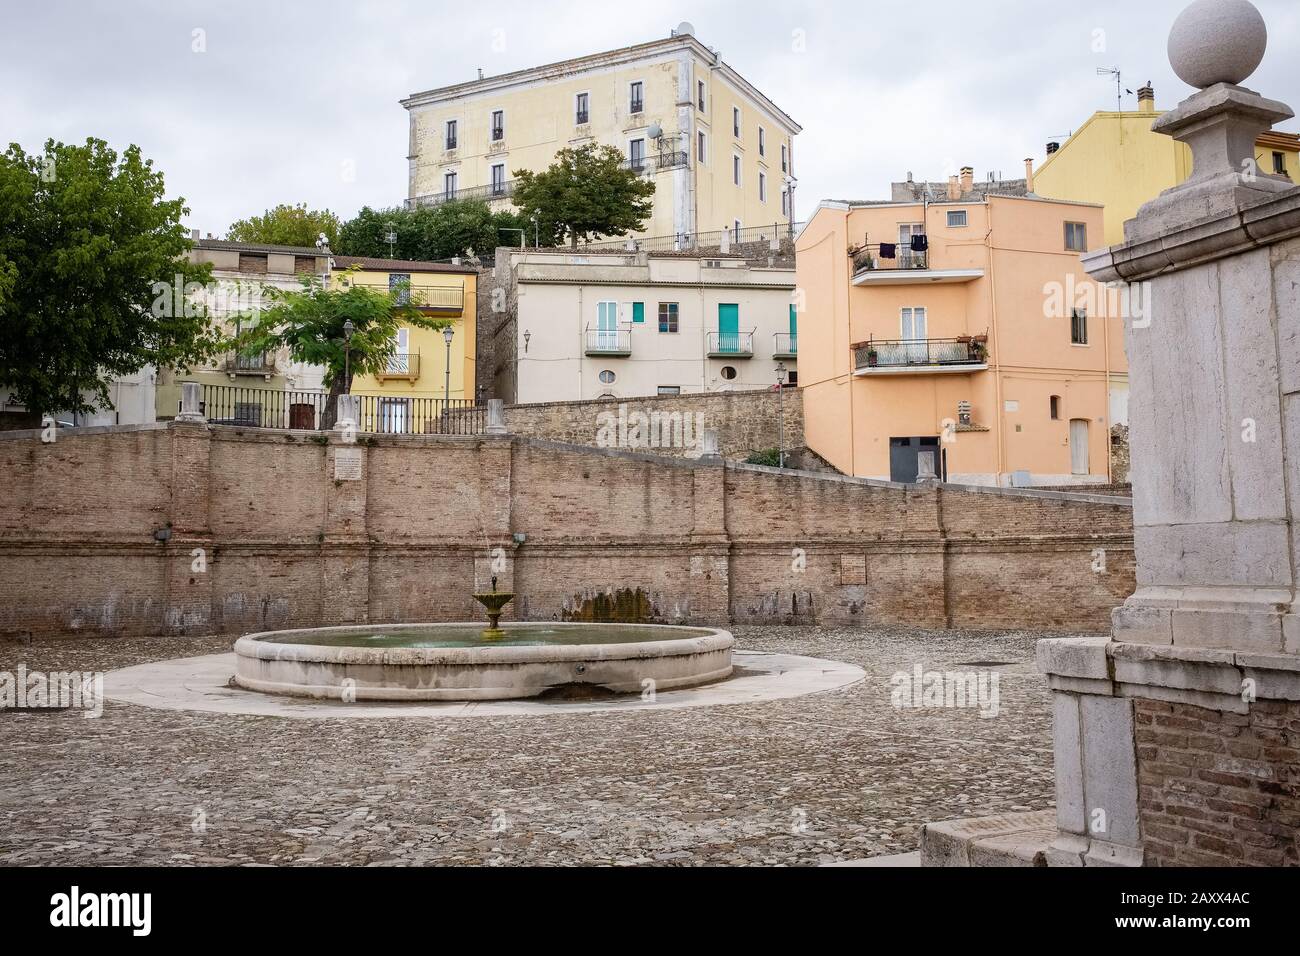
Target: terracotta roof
[401,265]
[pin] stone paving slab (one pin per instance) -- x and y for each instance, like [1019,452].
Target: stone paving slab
[829,777]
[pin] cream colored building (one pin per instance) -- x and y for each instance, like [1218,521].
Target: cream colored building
[723,159]
[635,324]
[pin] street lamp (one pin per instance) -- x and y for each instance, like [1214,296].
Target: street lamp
[447,333]
[780,405]
[348,329]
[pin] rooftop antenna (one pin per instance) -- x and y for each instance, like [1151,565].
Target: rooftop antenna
[1119,92]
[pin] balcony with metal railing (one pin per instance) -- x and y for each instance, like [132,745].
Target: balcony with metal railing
[612,343]
[735,345]
[401,365]
[658,162]
[259,364]
[920,356]
[900,264]
[435,298]
[491,192]
[786,347]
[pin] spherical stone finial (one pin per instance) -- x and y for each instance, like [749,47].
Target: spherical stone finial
[1217,41]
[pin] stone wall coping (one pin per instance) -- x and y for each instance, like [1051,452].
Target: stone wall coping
[26,434]
[1262,224]
[652,399]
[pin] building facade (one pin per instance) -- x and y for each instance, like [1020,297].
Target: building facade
[585,326]
[959,337]
[424,369]
[720,153]
[241,272]
[1117,160]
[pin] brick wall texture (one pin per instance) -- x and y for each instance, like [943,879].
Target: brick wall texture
[746,421]
[1216,788]
[183,528]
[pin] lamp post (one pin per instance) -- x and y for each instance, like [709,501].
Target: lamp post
[447,333]
[348,329]
[780,405]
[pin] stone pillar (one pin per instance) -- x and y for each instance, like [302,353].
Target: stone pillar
[710,554]
[191,403]
[189,551]
[345,548]
[496,416]
[1153,727]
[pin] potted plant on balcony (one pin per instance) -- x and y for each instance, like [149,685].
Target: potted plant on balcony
[979,350]
[872,355]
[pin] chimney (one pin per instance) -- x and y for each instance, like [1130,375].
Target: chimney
[1147,99]
[1029,175]
[1052,148]
[967,179]
[909,176]
[194,234]
[954,189]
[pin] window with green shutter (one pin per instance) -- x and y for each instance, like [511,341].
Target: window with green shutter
[638,311]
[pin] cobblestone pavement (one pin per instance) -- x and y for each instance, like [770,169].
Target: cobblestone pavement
[829,777]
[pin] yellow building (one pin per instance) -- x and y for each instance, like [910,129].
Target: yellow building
[1116,160]
[957,335]
[424,370]
[721,154]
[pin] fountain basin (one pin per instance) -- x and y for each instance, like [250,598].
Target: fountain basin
[432,662]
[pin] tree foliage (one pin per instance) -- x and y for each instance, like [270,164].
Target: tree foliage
[586,193]
[287,226]
[309,322]
[429,233]
[86,240]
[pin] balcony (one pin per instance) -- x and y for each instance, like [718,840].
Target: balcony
[611,343]
[658,163]
[259,364]
[919,356]
[906,267]
[491,193]
[786,347]
[401,365]
[734,345]
[435,298]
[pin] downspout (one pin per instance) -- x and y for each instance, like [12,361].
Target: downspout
[1105,342]
[997,365]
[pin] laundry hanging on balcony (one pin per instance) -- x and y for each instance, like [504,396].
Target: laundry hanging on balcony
[920,243]
[888,250]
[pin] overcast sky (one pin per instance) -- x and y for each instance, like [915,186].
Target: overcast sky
[298,101]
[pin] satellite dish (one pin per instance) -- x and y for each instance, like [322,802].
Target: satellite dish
[655,131]
[684,29]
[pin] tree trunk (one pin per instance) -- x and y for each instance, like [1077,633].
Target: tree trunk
[330,413]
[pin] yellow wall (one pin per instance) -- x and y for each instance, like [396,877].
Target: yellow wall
[1019,244]
[427,343]
[1116,160]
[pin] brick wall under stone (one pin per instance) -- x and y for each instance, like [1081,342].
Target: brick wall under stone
[1216,788]
[99,533]
[746,421]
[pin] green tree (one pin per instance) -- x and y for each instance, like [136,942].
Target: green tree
[310,321]
[287,226]
[586,193]
[429,233]
[87,240]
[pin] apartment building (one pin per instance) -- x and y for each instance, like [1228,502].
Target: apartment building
[720,153]
[1116,160]
[622,325]
[950,332]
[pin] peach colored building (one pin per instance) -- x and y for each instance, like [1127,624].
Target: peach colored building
[981,352]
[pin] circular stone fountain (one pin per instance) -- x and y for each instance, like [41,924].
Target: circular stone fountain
[440,662]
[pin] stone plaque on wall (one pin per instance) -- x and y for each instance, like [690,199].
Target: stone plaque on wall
[347,464]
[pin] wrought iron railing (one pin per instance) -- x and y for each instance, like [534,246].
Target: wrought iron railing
[731,343]
[751,240]
[304,410]
[257,364]
[901,353]
[608,341]
[787,343]
[658,162]
[502,190]
[869,259]
[402,365]
[582,119]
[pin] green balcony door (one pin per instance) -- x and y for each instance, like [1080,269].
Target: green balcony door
[794,329]
[728,327]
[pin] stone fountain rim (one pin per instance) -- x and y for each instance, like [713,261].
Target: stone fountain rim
[701,640]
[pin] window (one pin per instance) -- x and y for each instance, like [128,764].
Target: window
[700,149]
[762,187]
[252,262]
[498,178]
[792,379]
[498,125]
[735,170]
[785,203]
[1078,327]
[304,264]
[667,316]
[581,114]
[248,413]
[637,101]
[670,390]
[638,313]
[449,185]
[607,377]
[956,218]
[636,153]
[735,229]
[699,89]
[762,141]
[1054,406]
[1076,237]
[785,158]
[728,372]
[1279,163]
[735,121]
[913,326]
[402,282]
[451,134]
